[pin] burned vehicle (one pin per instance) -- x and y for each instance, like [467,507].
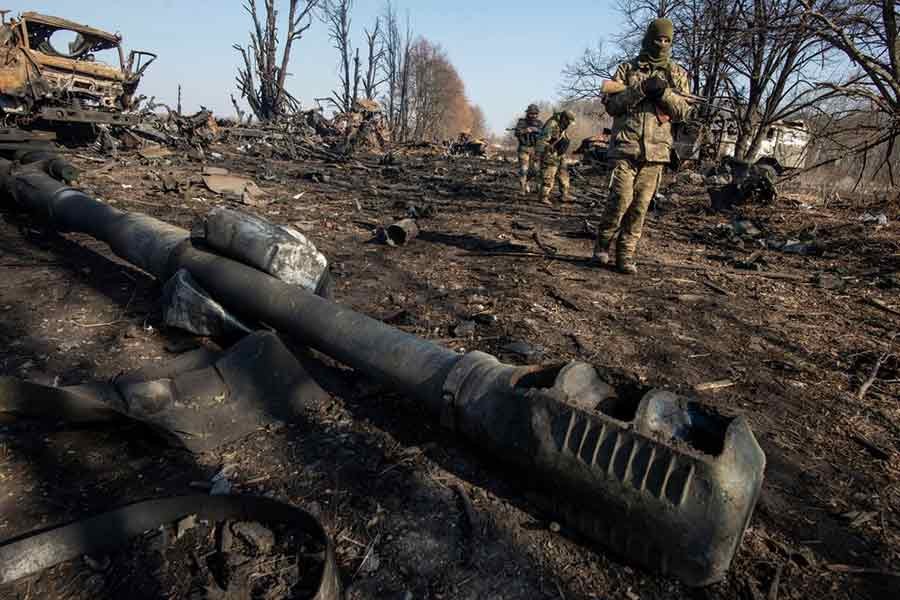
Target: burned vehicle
[466,145]
[593,149]
[784,147]
[53,69]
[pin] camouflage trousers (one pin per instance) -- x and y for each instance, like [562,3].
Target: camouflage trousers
[526,157]
[554,169]
[632,186]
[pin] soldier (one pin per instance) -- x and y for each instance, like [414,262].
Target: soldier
[551,150]
[527,131]
[641,140]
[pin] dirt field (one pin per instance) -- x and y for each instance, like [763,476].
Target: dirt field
[796,335]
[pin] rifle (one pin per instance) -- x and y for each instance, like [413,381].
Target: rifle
[611,87]
[530,134]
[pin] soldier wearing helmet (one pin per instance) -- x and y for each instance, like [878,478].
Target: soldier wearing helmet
[641,141]
[527,131]
[551,149]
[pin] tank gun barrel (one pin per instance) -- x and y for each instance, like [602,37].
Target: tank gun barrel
[659,480]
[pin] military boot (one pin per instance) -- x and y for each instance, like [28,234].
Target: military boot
[601,253]
[625,264]
[544,196]
[524,187]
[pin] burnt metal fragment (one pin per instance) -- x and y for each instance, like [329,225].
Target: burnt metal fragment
[401,232]
[201,408]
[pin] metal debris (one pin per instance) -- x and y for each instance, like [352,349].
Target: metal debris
[187,306]
[280,251]
[199,409]
[401,232]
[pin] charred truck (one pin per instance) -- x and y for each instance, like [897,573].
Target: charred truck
[55,70]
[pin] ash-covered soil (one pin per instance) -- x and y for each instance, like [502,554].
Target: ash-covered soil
[793,331]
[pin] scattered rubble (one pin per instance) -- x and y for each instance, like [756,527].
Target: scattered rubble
[880,219]
[285,552]
[732,183]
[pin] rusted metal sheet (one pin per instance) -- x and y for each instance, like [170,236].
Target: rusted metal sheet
[76,66]
[59,23]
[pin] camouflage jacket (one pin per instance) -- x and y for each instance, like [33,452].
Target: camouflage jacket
[637,130]
[548,143]
[527,132]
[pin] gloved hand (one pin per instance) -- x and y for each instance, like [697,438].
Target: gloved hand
[654,87]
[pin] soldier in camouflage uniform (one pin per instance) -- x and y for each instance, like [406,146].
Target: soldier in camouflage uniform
[527,131]
[551,150]
[641,140]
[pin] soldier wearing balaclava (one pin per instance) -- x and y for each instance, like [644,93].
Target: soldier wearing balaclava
[641,141]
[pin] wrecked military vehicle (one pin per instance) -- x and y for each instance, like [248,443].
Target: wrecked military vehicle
[466,145]
[52,69]
[784,147]
[593,149]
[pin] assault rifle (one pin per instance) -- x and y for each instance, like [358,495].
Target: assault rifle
[530,134]
[526,130]
[611,87]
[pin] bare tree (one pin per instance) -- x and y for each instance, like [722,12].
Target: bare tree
[397,46]
[703,34]
[760,53]
[583,77]
[479,126]
[376,52]
[866,32]
[405,82]
[703,41]
[261,79]
[438,108]
[240,112]
[337,15]
[773,67]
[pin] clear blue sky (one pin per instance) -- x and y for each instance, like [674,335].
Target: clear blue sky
[508,52]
